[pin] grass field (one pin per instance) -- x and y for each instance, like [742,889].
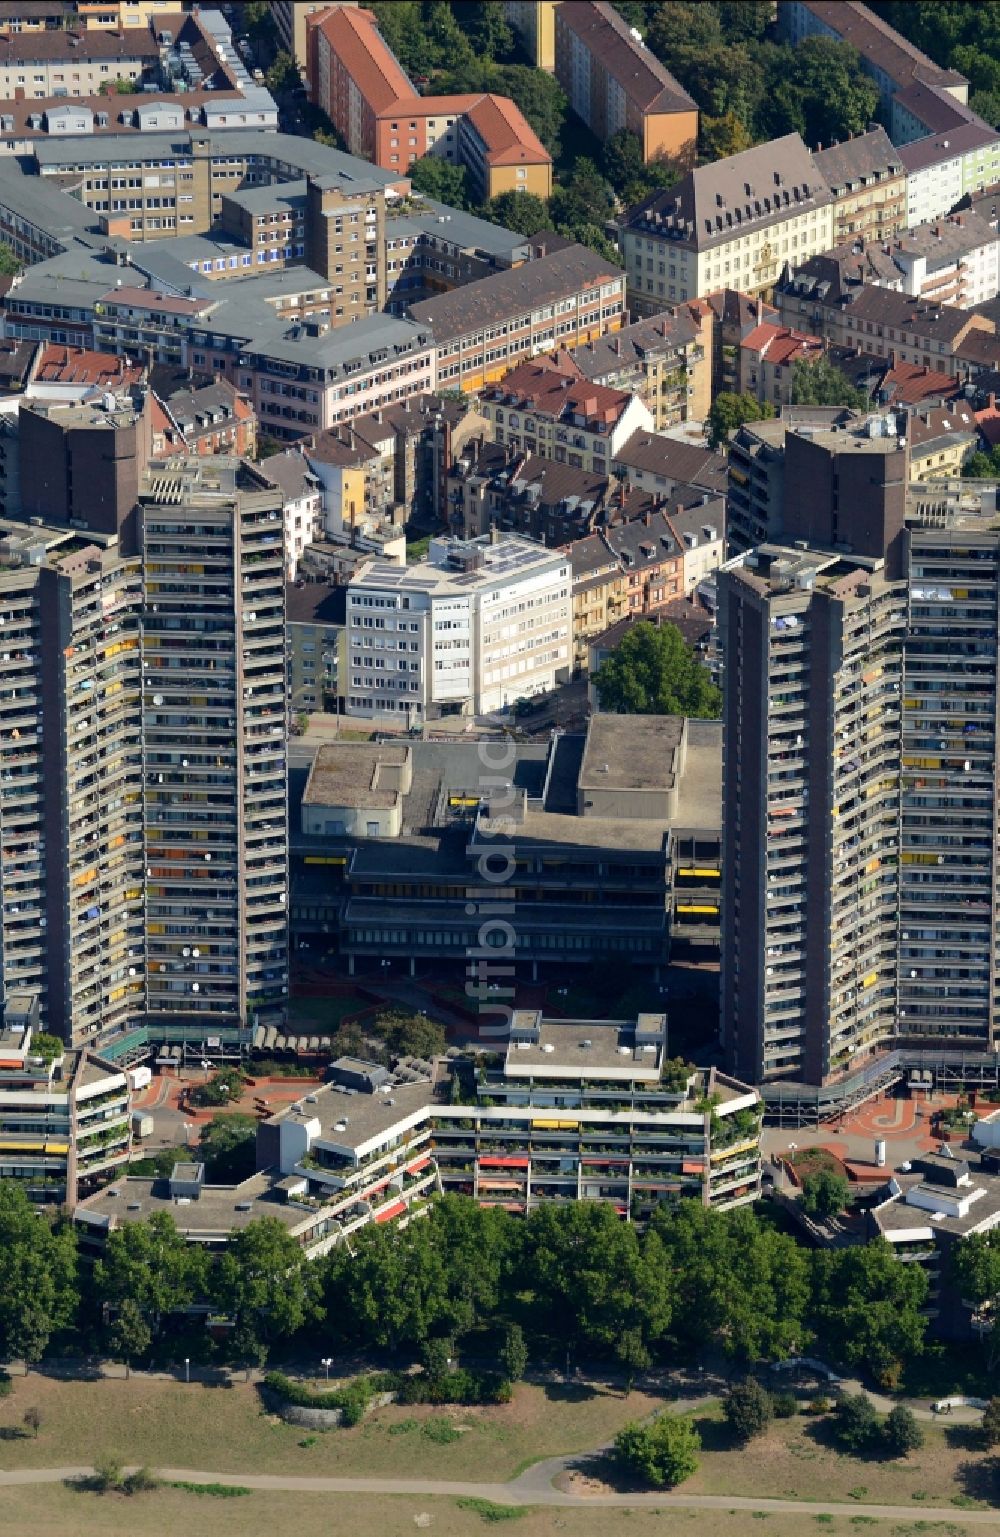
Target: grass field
[797,1460]
[54,1511]
[176,1425]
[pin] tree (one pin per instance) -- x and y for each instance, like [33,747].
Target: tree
[663,1453]
[622,160]
[487,29]
[901,1432]
[856,1423]
[983,466]
[437,1357]
[867,1306]
[32,1421]
[748,1410]
[10,266]
[723,136]
[152,1265]
[410,1035]
[130,1334]
[265,1279]
[586,198]
[247,1346]
[821,383]
[729,411]
[653,672]
[991,1423]
[632,1355]
[522,212]
[825,1194]
[819,90]
[283,75]
[223,1088]
[39,1291]
[976,1273]
[228,1148]
[513,1353]
[540,97]
[121,86]
[438,178]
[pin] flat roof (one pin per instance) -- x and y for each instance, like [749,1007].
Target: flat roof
[350,774]
[216,1209]
[349,1120]
[588,1047]
[631,752]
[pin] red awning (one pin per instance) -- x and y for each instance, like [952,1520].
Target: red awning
[388,1212]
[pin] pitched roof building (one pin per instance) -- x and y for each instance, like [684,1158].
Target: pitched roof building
[614,82]
[731,223]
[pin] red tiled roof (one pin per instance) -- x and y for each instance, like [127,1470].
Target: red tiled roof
[552,391]
[354,37]
[780,345]
[908,384]
[77,365]
[506,132]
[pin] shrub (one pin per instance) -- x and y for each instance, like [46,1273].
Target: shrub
[6,1385]
[440,1431]
[748,1411]
[107,1475]
[785,1405]
[820,1404]
[352,1400]
[664,1452]
[214,1491]
[140,1482]
[901,1432]
[991,1422]
[857,1422]
[489,1510]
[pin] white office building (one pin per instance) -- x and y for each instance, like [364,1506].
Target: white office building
[473,628]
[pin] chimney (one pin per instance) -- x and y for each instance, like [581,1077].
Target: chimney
[892,357]
[760,309]
[618,346]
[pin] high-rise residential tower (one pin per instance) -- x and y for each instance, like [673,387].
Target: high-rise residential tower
[142,767]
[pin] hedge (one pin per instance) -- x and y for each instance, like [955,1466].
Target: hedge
[457,1387]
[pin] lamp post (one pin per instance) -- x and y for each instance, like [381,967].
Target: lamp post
[326,1363]
[187,1368]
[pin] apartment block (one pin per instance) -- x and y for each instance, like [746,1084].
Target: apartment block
[892,61]
[768,356]
[730,224]
[481,330]
[870,318]
[301,503]
[665,360]
[535,24]
[289,17]
[64,1119]
[867,178]
[356,79]
[813,648]
[444,637]
[213,647]
[614,82]
[64,63]
[315,628]
[942,168]
[542,409]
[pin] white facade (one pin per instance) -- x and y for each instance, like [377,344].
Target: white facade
[476,626]
[933,190]
[965,281]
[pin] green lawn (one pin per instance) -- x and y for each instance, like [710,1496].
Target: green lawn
[54,1511]
[167,1423]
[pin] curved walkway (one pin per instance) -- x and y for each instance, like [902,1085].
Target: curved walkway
[532,1488]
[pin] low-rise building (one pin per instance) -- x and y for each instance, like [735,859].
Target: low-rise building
[768,356]
[64,1114]
[732,223]
[63,62]
[867,178]
[665,360]
[926,1213]
[941,440]
[302,503]
[551,411]
[494,486]
[734,316]
[614,82]
[207,419]
[587,826]
[655,462]
[474,627]
[564,299]
[950,261]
